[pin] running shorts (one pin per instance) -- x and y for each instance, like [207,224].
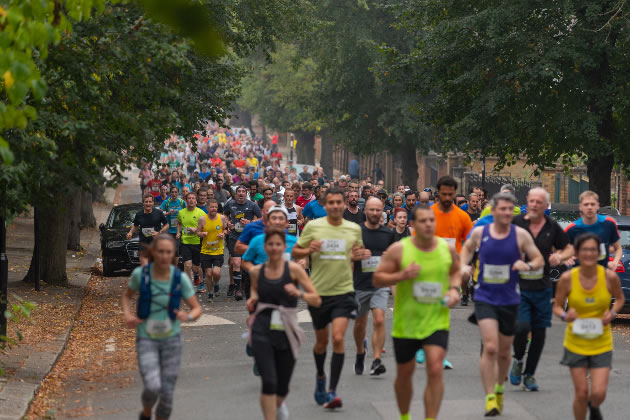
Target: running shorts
[405,349]
[338,306]
[371,299]
[505,314]
[209,261]
[191,252]
[574,360]
[231,243]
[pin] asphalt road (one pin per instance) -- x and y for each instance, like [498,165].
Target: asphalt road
[216,380]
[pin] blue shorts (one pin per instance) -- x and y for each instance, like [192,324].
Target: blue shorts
[535,308]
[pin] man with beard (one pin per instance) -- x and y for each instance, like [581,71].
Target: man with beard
[376,239]
[352,212]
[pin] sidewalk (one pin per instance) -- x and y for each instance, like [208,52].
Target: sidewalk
[46,333]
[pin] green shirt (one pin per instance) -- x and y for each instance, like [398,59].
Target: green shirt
[418,308]
[159,301]
[189,219]
[257,197]
[488,210]
[331,267]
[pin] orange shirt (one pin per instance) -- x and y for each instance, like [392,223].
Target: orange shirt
[453,225]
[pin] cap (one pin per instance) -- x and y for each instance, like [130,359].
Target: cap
[342,178]
[382,192]
[278,208]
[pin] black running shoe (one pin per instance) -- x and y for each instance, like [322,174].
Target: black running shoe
[359,364]
[464,300]
[238,295]
[378,368]
[230,291]
[595,414]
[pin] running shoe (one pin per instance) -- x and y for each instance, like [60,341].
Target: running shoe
[516,373]
[529,383]
[333,401]
[464,300]
[320,390]
[378,368]
[202,288]
[283,412]
[492,407]
[420,356]
[238,295]
[447,365]
[143,417]
[595,413]
[359,364]
[196,280]
[499,400]
[210,297]
[230,291]
[216,290]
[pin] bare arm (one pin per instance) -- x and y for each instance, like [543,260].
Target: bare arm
[200,225]
[614,286]
[388,271]
[310,295]
[246,265]
[131,231]
[563,288]
[561,256]
[455,278]
[253,288]
[527,246]
[195,310]
[471,244]
[131,320]
[618,254]
[240,247]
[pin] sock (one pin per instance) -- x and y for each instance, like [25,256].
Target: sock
[498,389]
[319,363]
[237,280]
[428,419]
[335,369]
[405,417]
[491,397]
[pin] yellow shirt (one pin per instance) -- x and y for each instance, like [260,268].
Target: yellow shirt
[589,304]
[252,162]
[488,210]
[212,244]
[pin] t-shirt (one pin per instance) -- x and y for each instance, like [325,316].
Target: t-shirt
[331,273]
[377,241]
[488,210]
[160,291]
[154,187]
[303,201]
[358,217]
[175,205]
[452,226]
[550,236]
[474,216]
[149,223]
[256,250]
[248,210]
[251,230]
[239,163]
[252,162]
[189,219]
[605,228]
[314,210]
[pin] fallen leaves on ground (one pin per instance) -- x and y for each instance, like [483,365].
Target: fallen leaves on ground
[86,365]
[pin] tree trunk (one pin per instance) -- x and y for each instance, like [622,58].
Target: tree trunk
[52,237]
[87,212]
[305,147]
[73,219]
[409,164]
[599,170]
[327,153]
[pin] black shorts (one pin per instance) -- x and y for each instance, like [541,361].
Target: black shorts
[231,243]
[338,306]
[405,349]
[191,252]
[209,261]
[506,315]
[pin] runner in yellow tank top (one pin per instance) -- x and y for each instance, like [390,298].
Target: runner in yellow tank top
[212,229]
[588,341]
[426,272]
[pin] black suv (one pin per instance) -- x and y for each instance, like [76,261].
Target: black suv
[118,252]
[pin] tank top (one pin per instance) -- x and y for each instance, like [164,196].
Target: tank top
[293,227]
[591,305]
[272,291]
[497,283]
[212,244]
[418,309]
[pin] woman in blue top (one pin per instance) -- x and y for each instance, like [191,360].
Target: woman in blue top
[158,341]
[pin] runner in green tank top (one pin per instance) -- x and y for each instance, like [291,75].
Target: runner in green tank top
[426,272]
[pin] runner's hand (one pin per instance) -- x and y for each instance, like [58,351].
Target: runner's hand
[179,235]
[155,234]
[453,298]
[571,315]
[607,318]
[128,236]
[291,290]
[181,315]
[554,260]
[221,235]
[520,265]
[467,271]
[411,271]
[244,221]
[570,262]
[251,304]
[315,246]
[612,265]
[132,321]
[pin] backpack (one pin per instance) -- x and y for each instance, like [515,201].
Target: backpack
[144,301]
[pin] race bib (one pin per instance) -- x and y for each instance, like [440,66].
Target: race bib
[532,275]
[188,230]
[496,274]
[369,265]
[276,323]
[426,292]
[292,228]
[333,249]
[286,256]
[155,188]
[238,227]
[212,245]
[602,251]
[172,222]
[589,328]
[148,232]
[450,241]
[159,328]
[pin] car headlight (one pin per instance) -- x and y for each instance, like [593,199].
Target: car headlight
[115,244]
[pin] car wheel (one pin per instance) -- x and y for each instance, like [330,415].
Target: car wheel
[108,269]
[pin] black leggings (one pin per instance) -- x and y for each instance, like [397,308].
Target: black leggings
[275,366]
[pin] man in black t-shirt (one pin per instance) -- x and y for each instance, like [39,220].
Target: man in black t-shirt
[536,287]
[149,222]
[376,239]
[352,212]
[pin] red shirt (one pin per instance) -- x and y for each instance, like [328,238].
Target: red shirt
[239,163]
[302,202]
[154,187]
[276,155]
[215,161]
[274,139]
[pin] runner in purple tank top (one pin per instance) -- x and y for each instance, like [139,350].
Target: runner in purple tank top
[497,295]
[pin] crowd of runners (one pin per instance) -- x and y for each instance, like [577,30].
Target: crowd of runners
[346,246]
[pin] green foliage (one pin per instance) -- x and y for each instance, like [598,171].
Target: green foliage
[17,311]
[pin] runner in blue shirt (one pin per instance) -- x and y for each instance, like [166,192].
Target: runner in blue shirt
[255,254]
[171,208]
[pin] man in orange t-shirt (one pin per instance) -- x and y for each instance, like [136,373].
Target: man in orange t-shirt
[451,222]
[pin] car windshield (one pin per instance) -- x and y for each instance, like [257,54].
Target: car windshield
[624,232]
[122,219]
[564,218]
